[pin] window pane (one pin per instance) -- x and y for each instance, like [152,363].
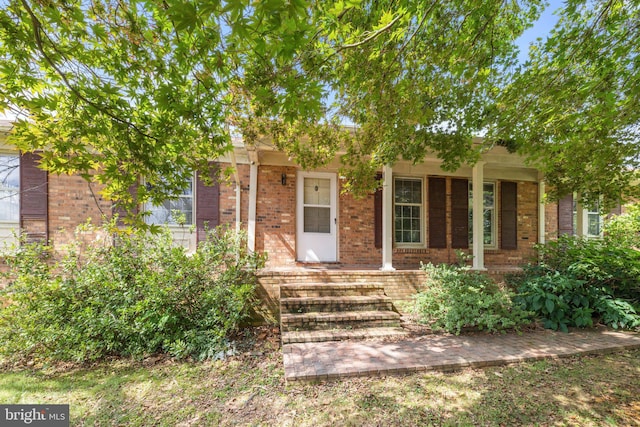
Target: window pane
[408,210]
[488,195]
[408,191]
[487,214]
[182,206]
[173,212]
[317,191]
[9,188]
[189,190]
[159,214]
[317,220]
[488,227]
[594,224]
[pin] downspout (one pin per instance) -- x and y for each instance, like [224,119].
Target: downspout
[236,177]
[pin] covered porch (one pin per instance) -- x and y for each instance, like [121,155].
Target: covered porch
[354,233]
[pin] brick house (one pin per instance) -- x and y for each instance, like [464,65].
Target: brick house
[493,210]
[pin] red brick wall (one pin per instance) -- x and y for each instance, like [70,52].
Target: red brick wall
[276,215]
[551,221]
[527,229]
[356,231]
[275,228]
[228,197]
[527,235]
[71,203]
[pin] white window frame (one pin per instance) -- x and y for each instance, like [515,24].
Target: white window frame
[421,243]
[494,217]
[10,229]
[586,212]
[589,213]
[148,206]
[9,192]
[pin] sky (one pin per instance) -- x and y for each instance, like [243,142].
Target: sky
[540,29]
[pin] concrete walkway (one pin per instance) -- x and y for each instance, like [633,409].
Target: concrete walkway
[336,359]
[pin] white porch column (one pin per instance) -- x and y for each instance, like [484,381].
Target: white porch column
[238,189]
[541,218]
[580,218]
[253,197]
[387,219]
[477,181]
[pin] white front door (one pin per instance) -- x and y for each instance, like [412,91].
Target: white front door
[316,227]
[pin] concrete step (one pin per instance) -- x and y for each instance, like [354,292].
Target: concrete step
[342,335]
[336,304]
[298,290]
[338,320]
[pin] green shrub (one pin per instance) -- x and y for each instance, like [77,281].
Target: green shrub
[562,300]
[599,262]
[456,298]
[580,280]
[624,229]
[140,296]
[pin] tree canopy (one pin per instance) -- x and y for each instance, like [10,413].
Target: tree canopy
[115,90]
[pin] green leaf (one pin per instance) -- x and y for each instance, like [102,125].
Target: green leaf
[549,304]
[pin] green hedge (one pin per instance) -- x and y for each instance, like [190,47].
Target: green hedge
[139,296]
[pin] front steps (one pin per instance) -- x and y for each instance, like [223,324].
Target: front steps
[314,312]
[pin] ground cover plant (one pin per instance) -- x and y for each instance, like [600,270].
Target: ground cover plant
[580,281]
[128,294]
[455,298]
[249,389]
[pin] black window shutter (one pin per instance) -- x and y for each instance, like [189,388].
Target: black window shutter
[34,188]
[437,212]
[377,215]
[565,215]
[509,215]
[459,213]
[207,204]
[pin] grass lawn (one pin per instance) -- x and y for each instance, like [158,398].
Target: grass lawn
[249,389]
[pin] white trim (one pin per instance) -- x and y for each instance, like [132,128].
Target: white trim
[541,214]
[238,189]
[494,217]
[9,192]
[253,198]
[478,217]
[581,223]
[313,251]
[387,219]
[580,217]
